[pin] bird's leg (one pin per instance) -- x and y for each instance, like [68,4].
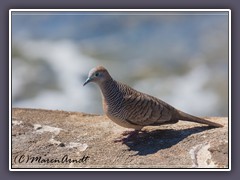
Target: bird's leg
[129,134]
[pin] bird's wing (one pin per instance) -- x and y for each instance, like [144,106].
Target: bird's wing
[146,110]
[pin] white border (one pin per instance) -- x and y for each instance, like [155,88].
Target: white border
[10,91]
[229,89]
[124,10]
[114,10]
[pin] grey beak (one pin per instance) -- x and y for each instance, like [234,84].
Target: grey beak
[87,81]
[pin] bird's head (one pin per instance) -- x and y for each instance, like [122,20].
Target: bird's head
[98,75]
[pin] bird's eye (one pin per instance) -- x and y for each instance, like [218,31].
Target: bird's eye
[97,74]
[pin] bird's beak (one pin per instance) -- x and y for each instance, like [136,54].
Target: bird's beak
[87,81]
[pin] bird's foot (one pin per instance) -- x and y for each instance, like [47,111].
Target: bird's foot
[130,135]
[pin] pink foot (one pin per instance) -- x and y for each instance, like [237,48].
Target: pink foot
[129,134]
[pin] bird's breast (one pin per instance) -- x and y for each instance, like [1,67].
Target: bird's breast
[111,106]
[105,105]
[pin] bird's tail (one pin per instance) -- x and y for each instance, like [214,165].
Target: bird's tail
[187,117]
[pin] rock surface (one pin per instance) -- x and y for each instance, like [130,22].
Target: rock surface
[59,139]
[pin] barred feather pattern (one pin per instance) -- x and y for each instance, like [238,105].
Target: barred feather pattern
[122,101]
[132,109]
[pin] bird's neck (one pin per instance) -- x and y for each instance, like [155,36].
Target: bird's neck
[112,95]
[108,88]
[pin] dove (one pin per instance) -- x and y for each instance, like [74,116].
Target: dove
[133,109]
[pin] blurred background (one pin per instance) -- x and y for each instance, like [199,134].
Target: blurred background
[179,57]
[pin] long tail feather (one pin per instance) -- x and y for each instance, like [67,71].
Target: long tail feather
[187,117]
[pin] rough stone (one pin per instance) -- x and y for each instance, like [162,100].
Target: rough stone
[59,139]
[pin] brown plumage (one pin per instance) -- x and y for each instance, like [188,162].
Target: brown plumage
[132,109]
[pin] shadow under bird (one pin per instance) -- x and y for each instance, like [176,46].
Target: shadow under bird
[130,108]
